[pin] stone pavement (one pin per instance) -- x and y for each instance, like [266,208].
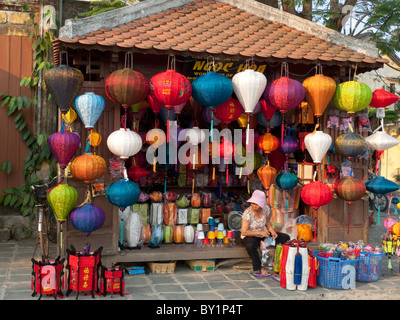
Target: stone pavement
[223,284]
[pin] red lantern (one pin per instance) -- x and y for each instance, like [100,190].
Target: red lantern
[382,98]
[135,173]
[227,151]
[267,110]
[229,111]
[268,143]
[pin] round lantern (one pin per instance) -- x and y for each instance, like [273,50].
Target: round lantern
[286,180]
[63,146]
[395,228]
[382,98]
[135,173]
[87,218]
[64,83]
[89,107]
[388,223]
[284,94]
[317,144]
[319,92]
[123,193]
[62,200]
[267,175]
[229,111]
[289,145]
[352,96]
[126,87]
[88,167]
[268,143]
[94,138]
[350,145]
[349,189]
[124,143]
[316,194]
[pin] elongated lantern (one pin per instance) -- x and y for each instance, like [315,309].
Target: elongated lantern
[350,145]
[249,86]
[124,143]
[88,167]
[350,190]
[318,144]
[87,218]
[64,83]
[89,107]
[319,92]
[267,175]
[123,193]
[126,87]
[352,96]
[63,146]
[62,200]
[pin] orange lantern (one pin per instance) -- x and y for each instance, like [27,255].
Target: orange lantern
[88,167]
[268,143]
[319,92]
[267,175]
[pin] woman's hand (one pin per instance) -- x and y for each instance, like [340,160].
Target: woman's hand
[265,233]
[274,235]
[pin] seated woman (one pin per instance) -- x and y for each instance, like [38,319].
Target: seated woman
[256,226]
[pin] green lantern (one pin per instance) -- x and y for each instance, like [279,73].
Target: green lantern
[62,200]
[352,96]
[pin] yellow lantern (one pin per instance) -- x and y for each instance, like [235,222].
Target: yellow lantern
[352,96]
[62,200]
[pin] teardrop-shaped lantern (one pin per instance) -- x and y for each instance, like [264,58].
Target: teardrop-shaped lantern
[268,142]
[124,143]
[319,92]
[381,186]
[284,94]
[352,96]
[267,175]
[350,145]
[286,180]
[289,145]
[316,194]
[64,83]
[154,104]
[87,218]
[382,98]
[89,107]
[211,89]
[229,111]
[267,110]
[135,173]
[123,193]
[126,87]
[318,144]
[62,199]
[63,146]
[88,167]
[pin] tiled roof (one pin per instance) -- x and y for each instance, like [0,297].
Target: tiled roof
[208,27]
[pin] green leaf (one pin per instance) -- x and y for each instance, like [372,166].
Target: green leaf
[18,117]
[30,141]
[26,199]
[7,200]
[9,167]
[13,200]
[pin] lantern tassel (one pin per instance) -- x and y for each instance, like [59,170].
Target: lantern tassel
[248,129]
[213,173]
[168,127]
[348,221]
[122,232]
[193,184]
[240,173]
[154,164]
[227,174]
[378,218]
[212,126]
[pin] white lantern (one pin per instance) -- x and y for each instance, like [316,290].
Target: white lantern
[196,135]
[124,143]
[380,140]
[318,144]
[188,233]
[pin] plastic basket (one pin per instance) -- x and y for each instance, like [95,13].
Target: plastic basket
[335,273]
[369,267]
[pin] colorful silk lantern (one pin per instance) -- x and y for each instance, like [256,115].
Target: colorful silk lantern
[64,83]
[208,116]
[154,104]
[267,110]
[286,180]
[126,87]
[88,167]
[350,144]
[135,173]
[89,107]
[62,199]
[243,122]
[249,86]
[170,88]
[267,175]
[352,96]
[319,92]
[382,98]
[317,144]
[63,146]
[268,143]
[70,116]
[289,145]
[350,190]
[229,111]
[124,143]
[178,109]
[123,193]
[87,218]
[94,138]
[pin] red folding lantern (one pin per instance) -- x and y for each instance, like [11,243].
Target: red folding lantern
[229,111]
[170,88]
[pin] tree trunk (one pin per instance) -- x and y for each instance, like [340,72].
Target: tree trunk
[272,3]
[307,10]
[288,8]
[334,6]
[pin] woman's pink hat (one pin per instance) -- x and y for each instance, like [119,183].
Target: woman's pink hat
[258,197]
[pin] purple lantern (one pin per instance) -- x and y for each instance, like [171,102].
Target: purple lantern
[63,146]
[87,218]
[289,145]
[207,115]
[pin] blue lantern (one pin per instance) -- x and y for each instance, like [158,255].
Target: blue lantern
[87,218]
[89,107]
[380,186]
[123,193]
[211,90]
[395,202]
[286,180]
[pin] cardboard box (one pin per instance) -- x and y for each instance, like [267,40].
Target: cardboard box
[201,265]
[162,266]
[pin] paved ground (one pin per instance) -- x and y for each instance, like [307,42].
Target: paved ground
[225,283]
